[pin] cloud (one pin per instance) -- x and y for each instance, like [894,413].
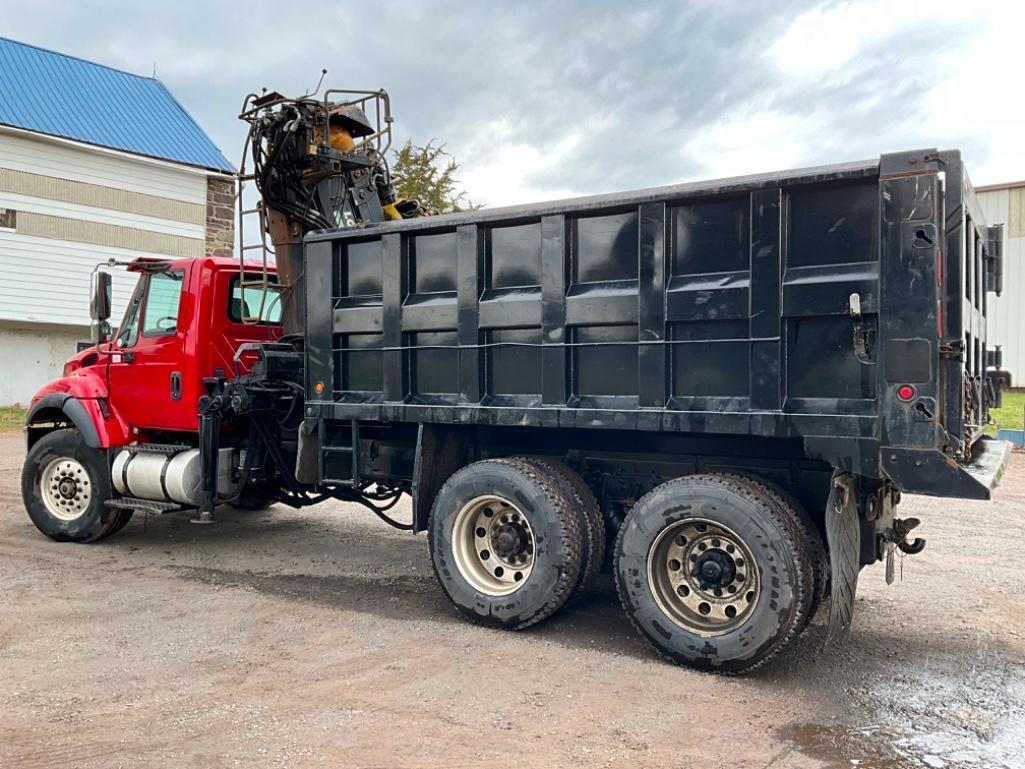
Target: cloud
[830,35]
[539,100]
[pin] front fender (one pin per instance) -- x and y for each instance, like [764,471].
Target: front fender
[80,399]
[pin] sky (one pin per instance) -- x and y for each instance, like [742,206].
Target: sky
[544,100]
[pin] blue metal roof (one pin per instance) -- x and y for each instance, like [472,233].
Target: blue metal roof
[61,95]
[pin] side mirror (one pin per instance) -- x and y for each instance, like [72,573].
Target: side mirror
[100,331]
[99,304]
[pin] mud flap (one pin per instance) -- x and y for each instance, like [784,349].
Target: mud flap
[843,537]
[307,458]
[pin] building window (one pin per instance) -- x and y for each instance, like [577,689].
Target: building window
[8,219]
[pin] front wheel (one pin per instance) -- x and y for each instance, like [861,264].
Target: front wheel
[65,485]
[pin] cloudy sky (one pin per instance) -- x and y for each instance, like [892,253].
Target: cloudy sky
[548,99]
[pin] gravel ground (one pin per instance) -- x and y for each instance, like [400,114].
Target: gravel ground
[320,638]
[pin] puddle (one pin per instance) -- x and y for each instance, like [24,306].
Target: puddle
[944,714]
[840,746]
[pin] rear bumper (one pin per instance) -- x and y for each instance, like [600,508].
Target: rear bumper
[931,472]
[990,463]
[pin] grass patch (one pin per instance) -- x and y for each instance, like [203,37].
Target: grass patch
[1012,415]
[12,419]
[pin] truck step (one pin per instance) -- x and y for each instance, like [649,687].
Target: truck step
[148,506]
[158,448]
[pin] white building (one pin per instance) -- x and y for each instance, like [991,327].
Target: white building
[95,163]
[1005,204]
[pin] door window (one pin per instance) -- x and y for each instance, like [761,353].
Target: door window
[128,333]
[164,297]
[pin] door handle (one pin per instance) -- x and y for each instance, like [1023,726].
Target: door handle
[176,386]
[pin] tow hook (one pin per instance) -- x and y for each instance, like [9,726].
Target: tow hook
[901,529]
[896,538]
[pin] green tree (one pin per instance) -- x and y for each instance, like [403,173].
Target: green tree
[427,173]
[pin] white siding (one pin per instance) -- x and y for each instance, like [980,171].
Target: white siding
[38,354]
[1006,316]
[47,281]
[41,156]
[102,215]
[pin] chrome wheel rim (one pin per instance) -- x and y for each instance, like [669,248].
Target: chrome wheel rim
[493,545]
[65,488]
[703,576]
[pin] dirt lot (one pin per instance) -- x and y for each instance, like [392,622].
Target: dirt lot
[319,638]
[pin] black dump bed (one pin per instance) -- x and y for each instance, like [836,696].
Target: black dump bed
[844,305]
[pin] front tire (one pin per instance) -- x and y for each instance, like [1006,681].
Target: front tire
[505,542]
[713,573]
[65,485]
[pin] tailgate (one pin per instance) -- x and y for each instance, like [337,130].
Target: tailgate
[939,262]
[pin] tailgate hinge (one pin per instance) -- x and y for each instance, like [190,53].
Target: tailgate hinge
[953,350]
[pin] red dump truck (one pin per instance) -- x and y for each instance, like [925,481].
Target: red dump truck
[717,391]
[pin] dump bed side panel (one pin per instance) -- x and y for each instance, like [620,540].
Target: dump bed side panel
[723,307]
[802,304]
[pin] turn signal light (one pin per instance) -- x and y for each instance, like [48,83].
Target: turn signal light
[906,392]
[319,387]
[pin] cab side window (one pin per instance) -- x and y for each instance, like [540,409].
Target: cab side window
[253,302]
[160,317]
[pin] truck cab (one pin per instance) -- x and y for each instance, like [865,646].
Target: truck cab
[184,322]
[140,383]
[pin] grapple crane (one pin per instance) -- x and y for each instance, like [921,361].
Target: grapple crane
[317,163]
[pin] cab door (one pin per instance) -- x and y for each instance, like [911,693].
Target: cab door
[148,363]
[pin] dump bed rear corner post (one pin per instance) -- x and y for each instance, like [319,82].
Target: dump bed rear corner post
[909,304]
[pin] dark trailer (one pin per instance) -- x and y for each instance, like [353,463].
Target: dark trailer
[813,340]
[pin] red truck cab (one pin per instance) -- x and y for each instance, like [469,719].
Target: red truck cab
[183,323]
[138,385]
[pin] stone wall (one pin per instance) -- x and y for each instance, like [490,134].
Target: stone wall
[220,216]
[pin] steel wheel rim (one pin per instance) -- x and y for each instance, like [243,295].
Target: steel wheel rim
[493,545]
[66,488]
[707,600]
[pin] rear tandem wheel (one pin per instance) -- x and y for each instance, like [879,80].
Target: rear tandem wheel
[714,572]
[506,542]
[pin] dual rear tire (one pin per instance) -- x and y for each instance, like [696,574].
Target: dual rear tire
[512,540]
[716,571]
[719,571]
